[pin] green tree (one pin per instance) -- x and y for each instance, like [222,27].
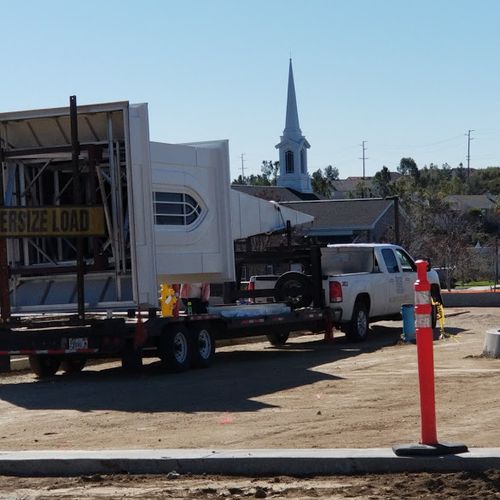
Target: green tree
[270,171]
[322,181]
[382,182]
[408,166]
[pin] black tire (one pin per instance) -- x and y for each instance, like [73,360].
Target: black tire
[357,329]
[73,364]
[278,339]
[434,316]
[436,297]
[131,358]
[175,349]
[43,365]
[202,346]
[295,289]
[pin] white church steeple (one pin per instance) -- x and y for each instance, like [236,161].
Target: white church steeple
[293,146]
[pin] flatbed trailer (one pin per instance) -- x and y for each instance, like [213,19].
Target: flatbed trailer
[183,342]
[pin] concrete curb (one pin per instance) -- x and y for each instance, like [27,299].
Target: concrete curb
[249,462]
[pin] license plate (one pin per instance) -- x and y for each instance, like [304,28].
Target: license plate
[78,343]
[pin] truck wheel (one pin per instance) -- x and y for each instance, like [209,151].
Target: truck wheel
[43,365]
[175,349]
[357,329]
[436,297]
[278,339]
[131,358]
[73,364]
[202,346]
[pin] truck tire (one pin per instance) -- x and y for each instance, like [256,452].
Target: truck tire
[43,365]
[357,328]
[73,364]
[295,289]
[202,346]
[131,358]
[436,297]
[278,339]
[175,349]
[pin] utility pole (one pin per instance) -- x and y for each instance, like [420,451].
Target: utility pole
[242,156]
[468,153]
[364,158]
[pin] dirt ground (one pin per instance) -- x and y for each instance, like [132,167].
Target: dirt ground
[463,486]
[307,394]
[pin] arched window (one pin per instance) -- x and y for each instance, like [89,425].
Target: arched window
[303,166]
[175,209]
[289,162]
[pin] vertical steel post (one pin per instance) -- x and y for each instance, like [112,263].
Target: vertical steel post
[317,277]
[4,266]
[77,199]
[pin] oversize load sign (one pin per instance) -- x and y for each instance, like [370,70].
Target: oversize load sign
[18,222]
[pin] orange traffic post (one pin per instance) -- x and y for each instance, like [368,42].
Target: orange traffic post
[428,444]
[425,354]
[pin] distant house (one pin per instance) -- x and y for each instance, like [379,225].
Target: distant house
[485,203]
[356,187]
[341,221]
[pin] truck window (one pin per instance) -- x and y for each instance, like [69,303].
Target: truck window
[390,260]
[406,262]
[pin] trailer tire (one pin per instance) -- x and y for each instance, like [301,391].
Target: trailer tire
[357,329]
[202,346]
[278,339]
[73,364]
[295,289]
[131,358]
[175,349]
[43,365]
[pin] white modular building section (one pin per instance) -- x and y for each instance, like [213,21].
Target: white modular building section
[180,197]
[166,208]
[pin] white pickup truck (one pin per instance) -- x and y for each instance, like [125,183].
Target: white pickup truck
[369,282]
[362,283]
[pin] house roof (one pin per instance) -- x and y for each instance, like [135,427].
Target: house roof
[471,201]
[350,184]
[274,193]
[333,216]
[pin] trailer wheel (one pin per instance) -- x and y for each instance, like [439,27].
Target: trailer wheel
[131,358]
[357,329]
[203,346]
[175,349]
[43,365]
[73,364]
[278,339]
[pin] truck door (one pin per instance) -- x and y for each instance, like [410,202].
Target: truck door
[409,274]
[395,291]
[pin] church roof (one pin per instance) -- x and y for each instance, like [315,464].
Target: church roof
[275,193]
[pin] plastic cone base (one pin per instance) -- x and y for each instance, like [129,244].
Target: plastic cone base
[411,450]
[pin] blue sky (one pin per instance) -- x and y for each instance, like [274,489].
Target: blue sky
[410,78]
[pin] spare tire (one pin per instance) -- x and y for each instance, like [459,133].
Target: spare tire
[295,289]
